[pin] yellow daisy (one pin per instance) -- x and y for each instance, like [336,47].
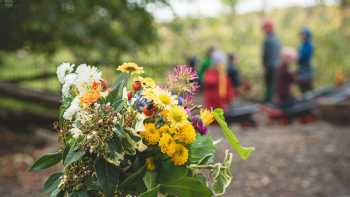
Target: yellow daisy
[186,134]
[161,98]
[151,134]
[206,116]
[148,83]
[180,155]
[145,82]
[177,116]
[167,144]
[130,67]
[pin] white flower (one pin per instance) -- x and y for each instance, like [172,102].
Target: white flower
[75,132]
[72,109]
[63,70]
[85,76]
[69,81]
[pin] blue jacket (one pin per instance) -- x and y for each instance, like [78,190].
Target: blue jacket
[271,51]
[305,52]
[233,73]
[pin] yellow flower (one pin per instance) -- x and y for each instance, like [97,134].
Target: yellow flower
[148,83]
[186,134]
[167,144]
[164,113]
[172,130]
[161,98]
[149,94]
[207,117]
[151,134]
[150,165]
[130,67]
[164,128]
[177,116]
[145,82]
[180,156]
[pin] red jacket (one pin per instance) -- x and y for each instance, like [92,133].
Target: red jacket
[212,96]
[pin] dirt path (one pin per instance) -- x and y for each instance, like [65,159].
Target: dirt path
[296,161]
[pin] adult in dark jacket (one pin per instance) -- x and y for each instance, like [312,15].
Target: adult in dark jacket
[305,69]
[270,58]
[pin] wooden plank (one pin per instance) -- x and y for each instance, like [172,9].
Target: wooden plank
[19,93]
[30,78]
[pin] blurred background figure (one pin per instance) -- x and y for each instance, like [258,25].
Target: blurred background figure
[285,79]
[206,63]
[305,53]
[218,91]
[270,57]
[192,62]
[232,70]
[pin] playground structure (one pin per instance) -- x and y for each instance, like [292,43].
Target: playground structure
[320,103]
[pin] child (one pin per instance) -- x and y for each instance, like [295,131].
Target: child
[218,91]
[233,71]
[284,79]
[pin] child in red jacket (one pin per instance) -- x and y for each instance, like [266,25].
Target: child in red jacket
[218,90]
[285,79]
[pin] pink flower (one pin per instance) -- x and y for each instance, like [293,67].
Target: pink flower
[183,80]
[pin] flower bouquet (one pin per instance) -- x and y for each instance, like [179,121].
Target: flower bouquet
[135,138]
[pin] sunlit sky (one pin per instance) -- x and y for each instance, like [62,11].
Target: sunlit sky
[197,8]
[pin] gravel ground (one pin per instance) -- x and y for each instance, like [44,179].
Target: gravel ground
[295,161]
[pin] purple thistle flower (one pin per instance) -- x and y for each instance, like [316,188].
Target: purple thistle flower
[198,124]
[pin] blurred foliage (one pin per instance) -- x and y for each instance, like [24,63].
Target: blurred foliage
[39,35]
[94,31]
[185,37]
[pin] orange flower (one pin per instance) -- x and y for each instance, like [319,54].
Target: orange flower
[90,97]
[95,85]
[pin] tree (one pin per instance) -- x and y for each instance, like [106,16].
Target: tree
[94,30]
[345,9]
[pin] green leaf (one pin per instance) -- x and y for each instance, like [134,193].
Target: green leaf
[115,152]
[151,193]
[150,180]
[243,152]
[118,104]
[46,161]
[52,182]
[107,176]
[186,187]
[222,176]
[126,141]
[202,150]
[136,175]
[117,88]
[78,194]
[56,193]
[73,156]
[170,173]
